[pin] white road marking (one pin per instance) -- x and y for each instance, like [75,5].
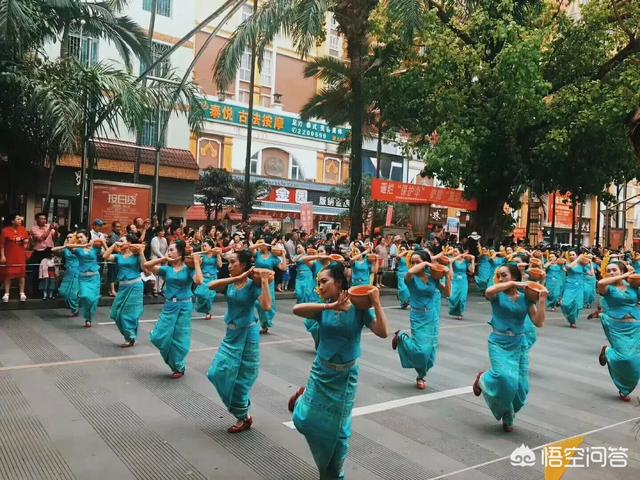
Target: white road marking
[66,363]
[496,460]
[153,320]
[402,402]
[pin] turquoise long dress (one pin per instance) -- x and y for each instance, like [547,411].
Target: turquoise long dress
[271,262]
[323,413]
[172,333]
[205,296]
[485,270]
[128,306]
[89,282]
[305,283]
[361,272]
[403,291]
[555,284]
[623,356]
[69,287]
[419,349]
[506,386]
[459,289]
[589,285]
[496,263]
[234,369]
[573,295]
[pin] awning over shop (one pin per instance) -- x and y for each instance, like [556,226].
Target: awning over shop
[196,213]
[295,208]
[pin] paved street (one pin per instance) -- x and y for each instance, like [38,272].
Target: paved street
[74,405]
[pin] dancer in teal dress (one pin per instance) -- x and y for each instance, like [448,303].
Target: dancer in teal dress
[235,367]
[460,285]
[211,264]
[69,288]
[305,277]
[419,349]
[555,281]
[621,324]
[403,269]
[636,261]
[172,333]
[573,295]
[87,254]
[506,385]
[265,259]
[361,269]
[589,285]
[485,270]
[322,411]
[128,306]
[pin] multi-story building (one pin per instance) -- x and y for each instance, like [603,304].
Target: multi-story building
[117,154]
[300,160]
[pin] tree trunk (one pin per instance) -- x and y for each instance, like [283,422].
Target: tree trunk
[53,160]
[488,221]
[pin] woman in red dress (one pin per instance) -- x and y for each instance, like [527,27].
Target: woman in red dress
[13,258]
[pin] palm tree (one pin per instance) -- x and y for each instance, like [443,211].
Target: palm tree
[304,22]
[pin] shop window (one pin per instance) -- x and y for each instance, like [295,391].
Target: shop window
[332,170]
[209,153]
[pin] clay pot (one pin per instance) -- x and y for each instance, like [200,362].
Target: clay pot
[444,261]
[634,280]
[98,243]
[536,262]
[537,274]
[585,260]
[336,257]
[256,274]
[533,291]
[277,251]
[216,251]
[561,261]
[312,251]
[360,296]
[438,271]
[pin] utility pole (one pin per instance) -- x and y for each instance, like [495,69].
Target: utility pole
[247,159]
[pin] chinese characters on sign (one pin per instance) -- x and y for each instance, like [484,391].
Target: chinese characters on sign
[306,217]
[237,115]
[389,191]
[113,201]
[570,454]
[326,201]
[563,211]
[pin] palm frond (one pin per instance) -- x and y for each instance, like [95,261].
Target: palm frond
[328,69]
[409,12]
[330,104]
[308,23]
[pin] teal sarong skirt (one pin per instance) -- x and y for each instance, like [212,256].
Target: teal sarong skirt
[266,317]
[70,289]
[172,334]
[419,350]
[128,307]
[623,356]
[89,295]
[205,296]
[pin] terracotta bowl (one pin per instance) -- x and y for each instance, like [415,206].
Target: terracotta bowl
[372,257]
[536,262]
[561,261]
[277,251]
[537,274]
[444,260]
[360,296]
[533,291]
[98,243]
[336,257]
[312,251]
[438,271]
[585,260]
[634,280]
[257,271]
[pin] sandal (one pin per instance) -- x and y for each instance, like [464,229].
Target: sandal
[624,398]
[477,390]
[87,324]
[602,358]
[245,425]
[294,398]
[394,341]
[421,384]
[128,344]
[176,375]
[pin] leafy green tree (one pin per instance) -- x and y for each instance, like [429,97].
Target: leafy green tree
[304,21]
[522,97]
[257,190]
[214,190]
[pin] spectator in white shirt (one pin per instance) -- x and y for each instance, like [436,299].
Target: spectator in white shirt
[159,247]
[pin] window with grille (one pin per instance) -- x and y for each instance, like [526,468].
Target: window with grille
[253,165]
[265,72]
[163,7]
[82,47]
[162,69]
[150,129]
[296,172]
[334,38]
[247,11]
[245,66]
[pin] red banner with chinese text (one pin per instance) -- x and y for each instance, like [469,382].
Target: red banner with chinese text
[306,217]
[389,191]
[563,210]
[116,201]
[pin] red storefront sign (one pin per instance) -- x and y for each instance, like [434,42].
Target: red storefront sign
[306,217]
[389,220]
[116,201]
[389,191]
[563,210]
[287,195]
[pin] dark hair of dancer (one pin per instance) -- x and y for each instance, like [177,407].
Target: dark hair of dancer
[245,258]
[336,271]
[621,265]
[515,272]
[423,254]
[132,238]
[181,246]
[210,242]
